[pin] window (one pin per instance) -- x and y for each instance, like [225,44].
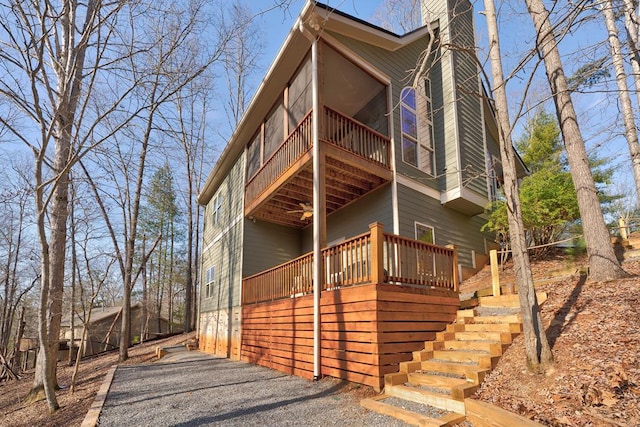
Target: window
[216,208]
[425,260]
[416,117]
[209,282]
[424,233]
[253,156]
[300,94]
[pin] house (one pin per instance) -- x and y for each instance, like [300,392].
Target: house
[104,328]
[348,203]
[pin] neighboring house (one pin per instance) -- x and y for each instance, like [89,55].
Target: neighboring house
[344,176]
[104,328]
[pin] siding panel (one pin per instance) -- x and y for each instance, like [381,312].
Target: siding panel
[450,227]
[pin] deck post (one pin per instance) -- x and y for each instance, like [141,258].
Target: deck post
[495,275]
[623,228]
[455,276]
[377,252]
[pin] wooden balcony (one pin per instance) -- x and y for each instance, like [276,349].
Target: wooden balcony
[372,257]
[383,296]
[358,160]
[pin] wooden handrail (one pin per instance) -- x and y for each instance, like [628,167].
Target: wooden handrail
[371,257]
[292,148]
[356,137]
[412,262]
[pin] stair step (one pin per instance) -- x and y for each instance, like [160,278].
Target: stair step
[481,358]
[426,397]
[513,328]
[378,405]
[494,348]
[436,381]
[503,337]
[450,367]
[506,318]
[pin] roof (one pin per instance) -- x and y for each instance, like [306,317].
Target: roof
[313,19]
[98,314]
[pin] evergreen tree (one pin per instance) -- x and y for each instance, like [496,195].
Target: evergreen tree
[547,194]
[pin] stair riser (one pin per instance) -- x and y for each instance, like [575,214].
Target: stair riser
[513,328]
[483,360]
[493,348]
[426,398]
[502,337]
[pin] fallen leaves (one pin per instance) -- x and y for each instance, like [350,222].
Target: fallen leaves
[595,332]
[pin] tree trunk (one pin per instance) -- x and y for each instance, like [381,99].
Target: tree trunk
[603,264]
[144,327]
[623,92]
[632,25]
[538,352]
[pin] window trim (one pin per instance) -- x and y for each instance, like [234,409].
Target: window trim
[209,281]
[423,148]
[216,209]
[417,224]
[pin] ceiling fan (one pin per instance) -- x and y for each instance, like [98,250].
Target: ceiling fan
[306,211]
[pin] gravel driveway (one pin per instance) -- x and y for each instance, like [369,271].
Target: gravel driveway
[195,389]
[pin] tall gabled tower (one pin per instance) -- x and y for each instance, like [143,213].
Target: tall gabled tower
[458,107]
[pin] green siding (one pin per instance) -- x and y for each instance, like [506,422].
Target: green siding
[355,218]
[469,103]
[396,65]
[267,245]
[222,243]
[450,227]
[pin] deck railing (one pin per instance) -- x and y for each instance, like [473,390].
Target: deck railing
[285,280]
[372,257]
[299,141]
[413,262]
[353,136]
[340,130]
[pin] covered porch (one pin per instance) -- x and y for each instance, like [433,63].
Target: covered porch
[382,296]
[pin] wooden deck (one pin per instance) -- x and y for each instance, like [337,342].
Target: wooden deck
[367,330]
[357,160]
[383,296]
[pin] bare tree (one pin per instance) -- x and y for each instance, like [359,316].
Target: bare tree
[603,264]
[52,56]
[399,16]
[631,12]
[191,110]
[631,133]
[241,60]
[538,352]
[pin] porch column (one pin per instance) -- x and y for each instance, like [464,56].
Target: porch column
[319,206]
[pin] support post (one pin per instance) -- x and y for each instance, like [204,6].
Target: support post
[455,276]
[495,274]
[377,252]
[623,228]
[319,209]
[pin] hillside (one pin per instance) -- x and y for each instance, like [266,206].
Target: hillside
[594,329]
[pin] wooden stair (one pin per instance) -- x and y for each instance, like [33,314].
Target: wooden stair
[448,370]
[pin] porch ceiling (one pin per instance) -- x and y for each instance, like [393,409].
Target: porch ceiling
[346,181]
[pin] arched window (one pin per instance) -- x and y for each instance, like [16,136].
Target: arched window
[417,127]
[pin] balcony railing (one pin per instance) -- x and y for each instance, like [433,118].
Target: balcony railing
[340,130]
[356,137]
[373,257]
[299,141]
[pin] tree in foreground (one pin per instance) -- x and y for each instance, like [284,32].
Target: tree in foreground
[631,132]
[603,264]
[537,348]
